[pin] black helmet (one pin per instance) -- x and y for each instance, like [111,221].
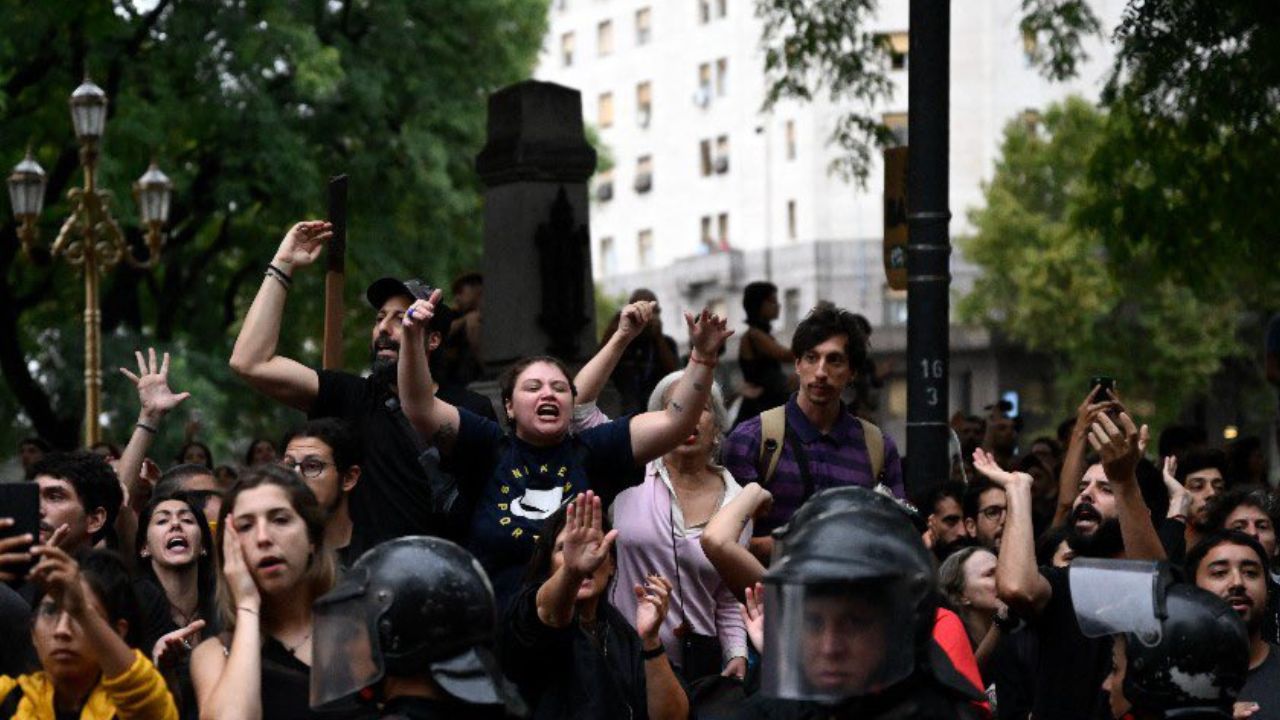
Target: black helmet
[865,570]
[845,497]
[409,606]
[1202,658]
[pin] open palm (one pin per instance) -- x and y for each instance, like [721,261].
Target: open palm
[585,544]
[152,382]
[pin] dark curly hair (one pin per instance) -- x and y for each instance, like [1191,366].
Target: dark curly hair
[95,483]
[825,322]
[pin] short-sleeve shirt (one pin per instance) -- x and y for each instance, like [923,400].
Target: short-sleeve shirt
[393,497]
[834,459]
[514,486]
[1263,686]
[1071,666]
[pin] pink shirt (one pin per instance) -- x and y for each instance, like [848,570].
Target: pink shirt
[651,536]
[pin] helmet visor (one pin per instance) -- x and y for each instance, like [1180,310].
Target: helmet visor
[346,657]
[830,641]
[1112,597]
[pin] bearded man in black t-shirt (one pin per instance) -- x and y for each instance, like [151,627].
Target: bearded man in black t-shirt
[1108,519]
[402,490]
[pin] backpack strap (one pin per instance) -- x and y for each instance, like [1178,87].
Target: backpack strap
[773,428]
[874,440]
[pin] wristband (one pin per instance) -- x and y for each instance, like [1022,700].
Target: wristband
[144,426]
[693,358]
[654,653]
[280,276]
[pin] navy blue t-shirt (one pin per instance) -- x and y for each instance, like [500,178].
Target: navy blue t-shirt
[514,486]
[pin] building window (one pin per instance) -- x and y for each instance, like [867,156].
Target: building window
[642,26]
[791,307]
[604,185]
[644,104]
[604,116]
[722,8]
[604,38]
[896,45]
[704,11]
[722,230]
[791,139]
[644,174]
[897,124]
[702,97]
[895,307]
[608,257]
[722,77]
[566,49]
[644,247]
[704,153]
[722,154]
[708,240]
[791,220]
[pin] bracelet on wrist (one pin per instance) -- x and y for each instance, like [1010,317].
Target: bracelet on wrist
[280,275]
[143,426]
[693,358]
[654,653]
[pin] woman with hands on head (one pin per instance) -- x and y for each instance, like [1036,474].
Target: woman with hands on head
[516,480]
[82,629]
[570,651]
[274,564]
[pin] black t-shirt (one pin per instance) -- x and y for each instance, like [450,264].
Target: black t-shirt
[1263,686]
[393,497]
[1071,666]
[17,654]
[405,708]
[566,673]
[514,486]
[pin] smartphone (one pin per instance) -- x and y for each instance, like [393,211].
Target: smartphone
[1106,384]
[20,501]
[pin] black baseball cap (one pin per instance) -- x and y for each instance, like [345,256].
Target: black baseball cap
[386,288]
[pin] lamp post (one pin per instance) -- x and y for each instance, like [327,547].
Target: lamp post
[90,239]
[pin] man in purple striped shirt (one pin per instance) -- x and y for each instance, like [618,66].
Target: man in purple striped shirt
[821,432]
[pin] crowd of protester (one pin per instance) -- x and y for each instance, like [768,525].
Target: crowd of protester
[403,553]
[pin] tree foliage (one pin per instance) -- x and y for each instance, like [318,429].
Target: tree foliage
[249,107]
[1052,285]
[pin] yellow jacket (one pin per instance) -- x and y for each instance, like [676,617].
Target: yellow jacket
[138,693]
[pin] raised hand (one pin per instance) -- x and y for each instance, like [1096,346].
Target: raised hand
[1090,407]
[59,575]
[1117,444]
[653,600]
[152,382]
[14,551]
[172,646]
[419,314]
[985,463]
[1179,498]
[707,333]
[303,244]
[634,318]
[753,615]
[585,544]
[244,591]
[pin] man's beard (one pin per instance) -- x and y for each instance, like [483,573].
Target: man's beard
[1105,542]
[383,369]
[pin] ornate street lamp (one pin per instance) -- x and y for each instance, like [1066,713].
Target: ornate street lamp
[90,239]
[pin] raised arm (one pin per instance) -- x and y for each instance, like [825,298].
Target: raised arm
[655,433]
[436,420]
[664,695]
[585,548]
[156,399]
[254,357]
[1117,441]
[736,565]
[60,575]
[1073,464]
[1018,581]
[591,378]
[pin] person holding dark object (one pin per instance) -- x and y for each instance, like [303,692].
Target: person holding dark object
[274,565]
[1109,519]
[1177,650]
[760,356]
[570,652]
[85,629]
[648,357]
[411,627]
[849,611]
[326,455]
[516,480]
[177,578]
[402,486]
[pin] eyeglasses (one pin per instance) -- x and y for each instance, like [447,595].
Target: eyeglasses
[995,512]
[309,467]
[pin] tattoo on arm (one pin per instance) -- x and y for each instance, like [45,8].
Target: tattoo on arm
[699,387]
[677,406]
[444,435]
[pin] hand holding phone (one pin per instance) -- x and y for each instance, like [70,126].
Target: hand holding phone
[19,528]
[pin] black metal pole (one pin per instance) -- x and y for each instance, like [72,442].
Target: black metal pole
[929,246]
